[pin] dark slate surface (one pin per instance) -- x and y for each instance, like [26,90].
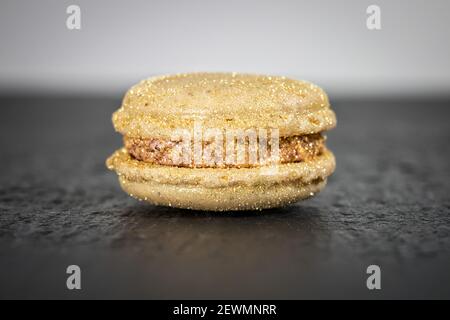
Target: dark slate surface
[387,204]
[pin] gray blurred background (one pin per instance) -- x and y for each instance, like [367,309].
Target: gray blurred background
[326,42]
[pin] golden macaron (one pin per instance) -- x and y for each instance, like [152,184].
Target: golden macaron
[223,141]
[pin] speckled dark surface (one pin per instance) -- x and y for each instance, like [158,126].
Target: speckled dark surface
[387,204]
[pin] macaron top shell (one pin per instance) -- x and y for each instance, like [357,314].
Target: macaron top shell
[156,106]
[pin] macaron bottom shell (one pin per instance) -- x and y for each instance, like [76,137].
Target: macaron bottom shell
[221,199]
[231,189]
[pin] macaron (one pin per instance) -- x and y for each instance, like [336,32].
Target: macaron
[223,141]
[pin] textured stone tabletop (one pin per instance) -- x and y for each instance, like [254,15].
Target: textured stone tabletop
[387,204]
